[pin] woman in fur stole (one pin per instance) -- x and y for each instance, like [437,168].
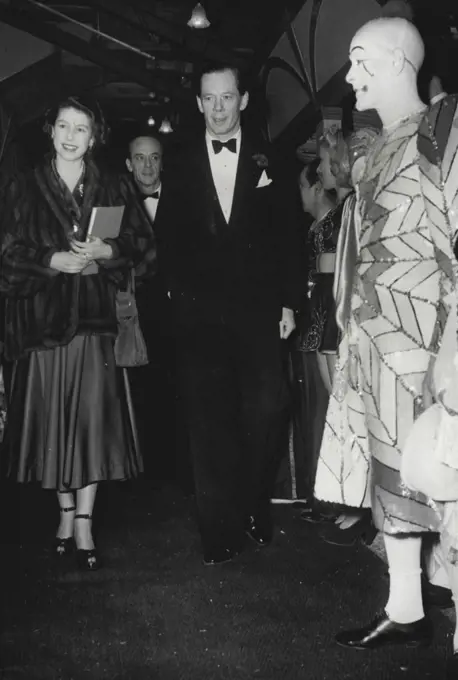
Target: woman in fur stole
[70,425]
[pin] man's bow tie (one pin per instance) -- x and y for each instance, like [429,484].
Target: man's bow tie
[155,195]
[231,144]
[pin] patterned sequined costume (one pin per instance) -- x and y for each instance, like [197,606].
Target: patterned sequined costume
[343,470]
[404,267]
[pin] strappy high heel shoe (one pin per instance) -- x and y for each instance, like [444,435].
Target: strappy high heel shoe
[64,546]
[87,560]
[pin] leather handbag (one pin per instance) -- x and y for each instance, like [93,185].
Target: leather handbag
[130,346]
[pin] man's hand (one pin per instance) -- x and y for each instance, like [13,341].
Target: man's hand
[287,323]
[68,262]
[92,249]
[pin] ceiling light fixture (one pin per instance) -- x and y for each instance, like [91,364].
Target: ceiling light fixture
[198,18]
[151,121]
[166,127]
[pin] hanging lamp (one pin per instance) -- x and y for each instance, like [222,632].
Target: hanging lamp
[198,18]
[166,127]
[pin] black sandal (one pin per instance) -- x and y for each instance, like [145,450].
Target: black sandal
[87,560]
[64,546]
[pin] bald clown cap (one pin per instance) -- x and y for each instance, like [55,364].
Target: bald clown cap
[390,34]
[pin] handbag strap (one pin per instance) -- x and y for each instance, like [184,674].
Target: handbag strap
[132,280]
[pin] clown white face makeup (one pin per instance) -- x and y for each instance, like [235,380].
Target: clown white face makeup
[385,56]
[369,73]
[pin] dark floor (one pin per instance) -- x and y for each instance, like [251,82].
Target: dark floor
[156,613]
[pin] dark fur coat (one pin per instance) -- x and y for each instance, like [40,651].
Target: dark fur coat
[45,308]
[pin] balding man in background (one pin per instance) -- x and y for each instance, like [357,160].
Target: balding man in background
[158,407]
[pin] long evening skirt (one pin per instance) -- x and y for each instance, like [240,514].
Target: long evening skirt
[296,475]
[70,421]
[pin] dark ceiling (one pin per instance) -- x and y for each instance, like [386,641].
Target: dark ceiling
[139,56]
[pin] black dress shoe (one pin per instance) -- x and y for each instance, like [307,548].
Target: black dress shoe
[383,631]
[313,515]
[451,669]
[362,531]
[220,556]
[436,596]
[260,530]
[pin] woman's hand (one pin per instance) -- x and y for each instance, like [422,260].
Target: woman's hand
[68,262]
[92,249]
[287,323]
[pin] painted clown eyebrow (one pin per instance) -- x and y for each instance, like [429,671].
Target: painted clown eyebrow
[358,47]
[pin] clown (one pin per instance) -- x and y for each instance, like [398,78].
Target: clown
[404,275]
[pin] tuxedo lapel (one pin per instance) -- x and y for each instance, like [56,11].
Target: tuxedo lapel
[159,209]
[214,216]
[245,181]
[160,217]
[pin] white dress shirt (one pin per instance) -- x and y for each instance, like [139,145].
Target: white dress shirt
[224,171]
[151,205]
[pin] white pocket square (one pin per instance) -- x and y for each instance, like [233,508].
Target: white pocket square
[264,181]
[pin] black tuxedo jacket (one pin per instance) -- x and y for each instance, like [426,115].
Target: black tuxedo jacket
[249,267]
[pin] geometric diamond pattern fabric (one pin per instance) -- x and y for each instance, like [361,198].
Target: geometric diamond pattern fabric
[406,267]
[398,280]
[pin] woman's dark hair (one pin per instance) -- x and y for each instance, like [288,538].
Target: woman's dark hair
[90,107]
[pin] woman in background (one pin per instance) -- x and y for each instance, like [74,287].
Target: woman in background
[332,147]
[69,423]
[317,330]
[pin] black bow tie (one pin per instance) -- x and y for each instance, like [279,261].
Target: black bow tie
[155,195]
[231,144]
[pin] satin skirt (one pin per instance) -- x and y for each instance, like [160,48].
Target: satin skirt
[70,420]
[296,475]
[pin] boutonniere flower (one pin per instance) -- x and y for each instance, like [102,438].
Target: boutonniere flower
[81,189]
[261,160]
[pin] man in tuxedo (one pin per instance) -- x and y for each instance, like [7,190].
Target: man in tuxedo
[164,439]
[145,163]
[234,283]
